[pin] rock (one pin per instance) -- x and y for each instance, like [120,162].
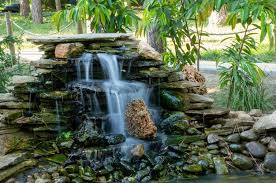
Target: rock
[236,147]
[212,147]
[24,80]
[243,116]
[7,97]
[12,159]
[266,123]
[41,180]
[256,149]
[199,106]
[177,139]
[138,151]
[48,64]
[212,138]
[195,98]
[249,135]
[196,168]
[233,138]
[15,105]
[266,140]
[154,73]
[207,113]
[178,85]
[220,166]
[115,139]
[176,122]
[272,145]
[270,161]
[8,116]
[225,130]
[176,76]
[174,100]
[16,169]
[241,161]
[256,113]
[65,50]
[142,173]
[138,120]
[147,52]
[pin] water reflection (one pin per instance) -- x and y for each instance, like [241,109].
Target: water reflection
[230,179]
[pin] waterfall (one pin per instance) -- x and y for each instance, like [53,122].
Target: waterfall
[118,92]
[57,117]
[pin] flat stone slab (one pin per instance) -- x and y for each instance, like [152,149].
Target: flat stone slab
[214,112]
[78,38]
[11,159]
[21,80]
[7,97]
[47,63]
[179,85]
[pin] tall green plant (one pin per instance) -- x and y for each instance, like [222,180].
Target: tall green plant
[103,15]
[239,73]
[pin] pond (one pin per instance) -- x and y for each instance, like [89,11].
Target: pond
[231,179]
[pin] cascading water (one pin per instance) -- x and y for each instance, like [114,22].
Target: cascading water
[117,91]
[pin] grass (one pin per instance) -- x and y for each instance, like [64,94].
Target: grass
[26,23]
[263,54]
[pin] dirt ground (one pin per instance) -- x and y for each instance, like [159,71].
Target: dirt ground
[212,80]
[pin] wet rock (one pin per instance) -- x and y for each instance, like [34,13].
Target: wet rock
[174,100]
[220,166]
[138,151]
[212,138]
[153,73]
[176,122]
[129,180]
[266,123]
[11,159]
[236,147]
[177,139]
[256,149]
[115,139]
[256,113]
[270,161]
[249,135]
[16,169]
[65,50]
[196,168]
[233,138]
[88,136]
[272,145]
[142,173]
[241,161]
[138,120]
[147,52]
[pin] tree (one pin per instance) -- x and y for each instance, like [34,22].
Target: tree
[105,16]
[24,8]
[58,5]
[37,11]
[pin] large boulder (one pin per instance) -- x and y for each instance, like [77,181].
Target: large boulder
[266,123]
[147,52]
[65,50]
[138,120]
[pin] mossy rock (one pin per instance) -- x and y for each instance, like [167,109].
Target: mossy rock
[177,139]
[174,100]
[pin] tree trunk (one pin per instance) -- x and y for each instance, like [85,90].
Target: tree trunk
[37,12]
[25,8]
[79,27]
[58,5]
[154,40]
[222,16]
